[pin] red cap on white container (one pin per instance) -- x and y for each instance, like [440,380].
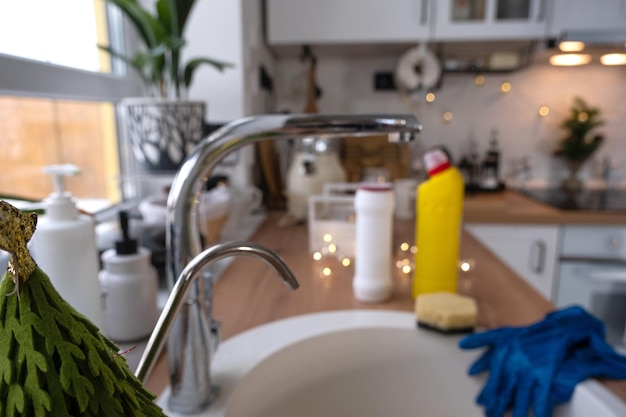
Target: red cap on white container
[436,160]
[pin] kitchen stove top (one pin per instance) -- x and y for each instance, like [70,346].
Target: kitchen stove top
[592,200]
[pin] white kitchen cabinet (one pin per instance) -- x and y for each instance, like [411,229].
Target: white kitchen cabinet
[480,20]
[594,242]
[347,21]
[588,16]
[529,250]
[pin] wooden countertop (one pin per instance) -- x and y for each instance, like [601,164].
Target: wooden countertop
[515,208]
[250,294]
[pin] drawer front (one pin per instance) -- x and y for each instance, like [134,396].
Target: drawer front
[594,242]
[529,250]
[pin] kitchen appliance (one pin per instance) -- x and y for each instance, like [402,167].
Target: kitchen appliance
[592,273]
[609,199]
[491,164]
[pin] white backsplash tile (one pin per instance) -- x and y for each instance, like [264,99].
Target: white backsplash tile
[347,86]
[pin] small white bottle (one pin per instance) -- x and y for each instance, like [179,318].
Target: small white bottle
[64,247]
[130,285]
[374,206]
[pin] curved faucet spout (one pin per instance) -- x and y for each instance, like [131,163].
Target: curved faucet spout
[193,271]
[188,340]
[183,239]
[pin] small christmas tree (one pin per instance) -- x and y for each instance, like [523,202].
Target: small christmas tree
[53,360]
[578,143]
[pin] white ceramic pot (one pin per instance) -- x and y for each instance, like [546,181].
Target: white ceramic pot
[162,132]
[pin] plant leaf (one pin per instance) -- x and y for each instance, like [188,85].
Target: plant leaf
[168,16]
[192,65]
[183,8]
[135,61]
[148,27]
[138,62]
[162,34]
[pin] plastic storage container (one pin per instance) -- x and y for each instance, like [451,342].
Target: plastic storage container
[64,247]
[374,206]
[438,226]
[130,285]
[315,163]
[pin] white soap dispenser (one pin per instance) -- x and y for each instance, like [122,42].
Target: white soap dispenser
[130,285]
[64,247]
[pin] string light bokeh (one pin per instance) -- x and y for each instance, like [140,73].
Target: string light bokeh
[504,88]
[329,257]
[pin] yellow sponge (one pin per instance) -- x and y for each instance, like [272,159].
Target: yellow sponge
[446,312]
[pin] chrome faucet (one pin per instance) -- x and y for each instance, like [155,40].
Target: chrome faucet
[176,303]
[194,333]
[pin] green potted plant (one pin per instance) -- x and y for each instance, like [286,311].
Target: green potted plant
[163,126]
[579,142]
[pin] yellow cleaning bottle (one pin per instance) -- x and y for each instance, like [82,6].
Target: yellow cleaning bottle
[438,225]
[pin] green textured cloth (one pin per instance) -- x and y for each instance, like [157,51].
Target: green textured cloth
[55,362]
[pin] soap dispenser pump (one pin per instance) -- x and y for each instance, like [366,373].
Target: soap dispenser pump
[64,245]
[60,205]
[130,285]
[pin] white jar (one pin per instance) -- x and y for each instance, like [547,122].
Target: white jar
[313,166]
[130,285]
[374,206]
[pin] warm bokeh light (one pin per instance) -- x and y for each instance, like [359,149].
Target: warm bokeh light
[413,249]
[404,246]
[466,265]
[430,97]
[407,269]
[327,272]
[447,116]
[613,59]
[571,46]
[479,80]
[505,87]
[317,256]
[569,60]
[328,237]
[332,248]
[346,262]
[544,111]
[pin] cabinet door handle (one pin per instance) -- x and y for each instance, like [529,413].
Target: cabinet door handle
[424,12]
[538,257]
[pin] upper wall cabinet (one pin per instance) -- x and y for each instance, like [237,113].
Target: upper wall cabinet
[586,15]
[347,21]
[475,20]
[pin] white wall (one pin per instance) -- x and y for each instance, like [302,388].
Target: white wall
[230,31]
[347,84]
[215,30]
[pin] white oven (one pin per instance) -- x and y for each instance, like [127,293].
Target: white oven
[592,273]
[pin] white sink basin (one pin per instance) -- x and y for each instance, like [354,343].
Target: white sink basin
[359,363]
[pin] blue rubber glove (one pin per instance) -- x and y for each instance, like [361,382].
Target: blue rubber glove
[525,362]
[596,359]
[520,373]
